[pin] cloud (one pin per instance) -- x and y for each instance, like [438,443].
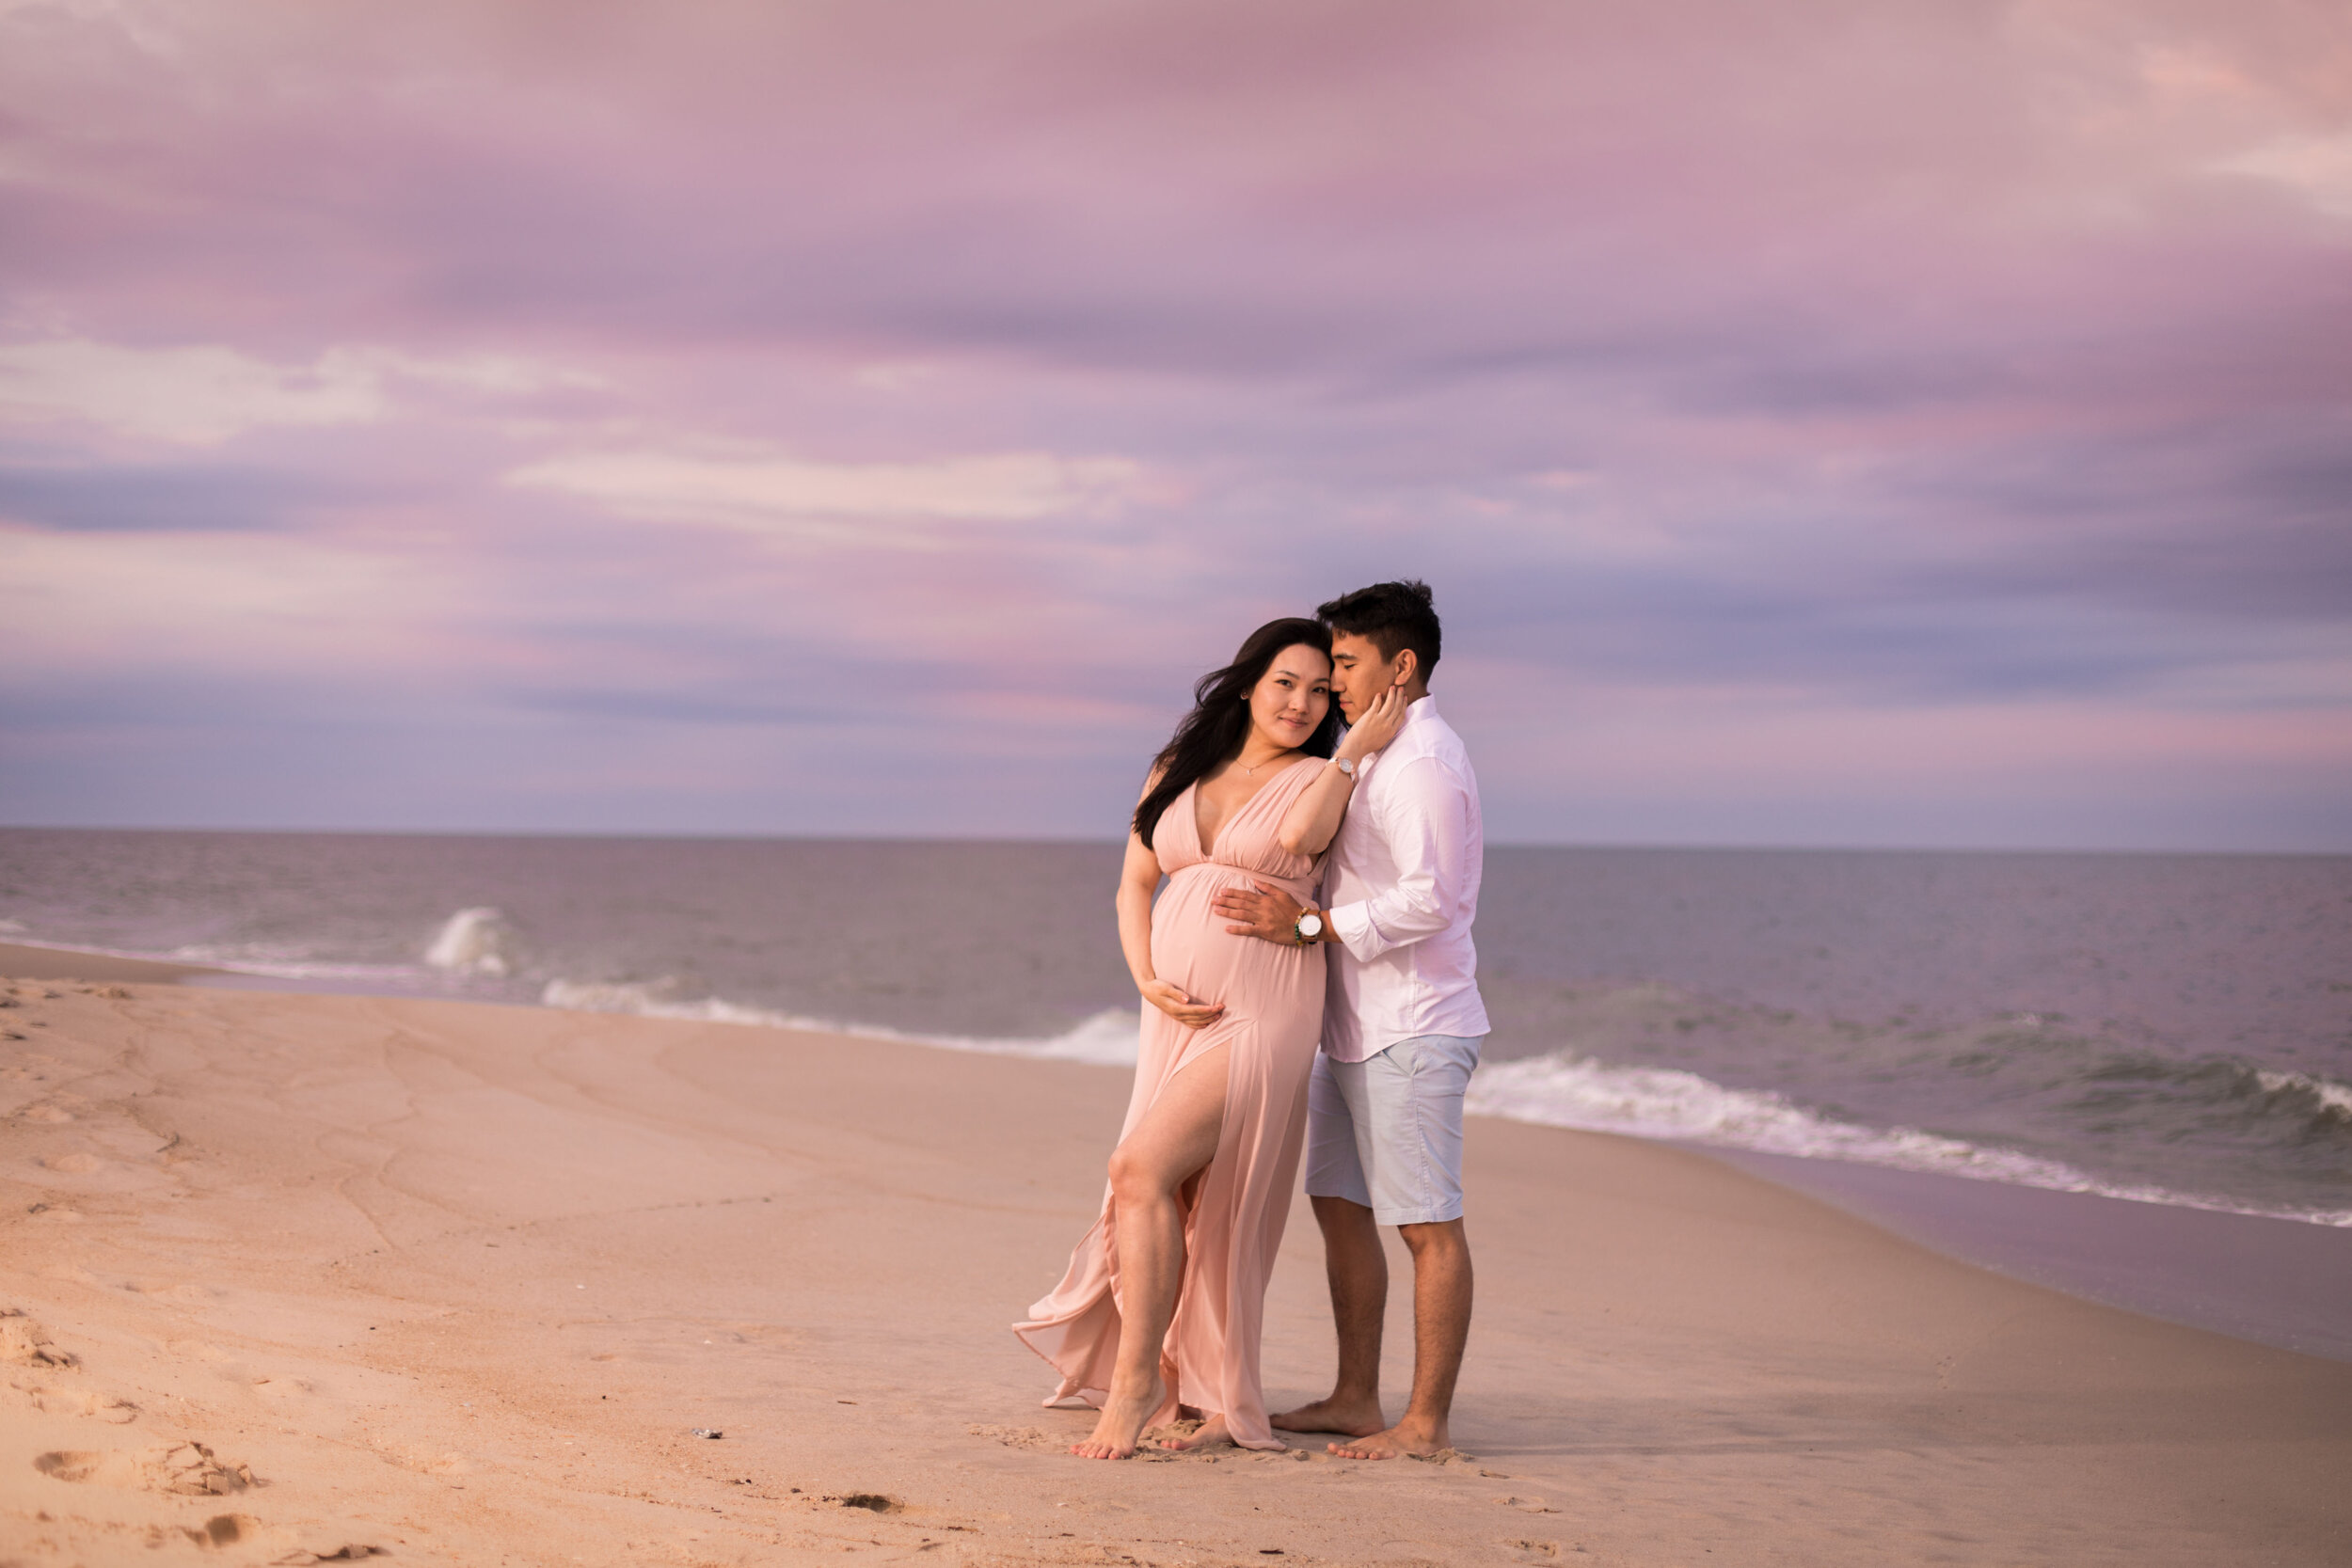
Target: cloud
[207,395]
[233,605]
[2317,168]
[198,396]
[763,491]
[928,387]
[159,497]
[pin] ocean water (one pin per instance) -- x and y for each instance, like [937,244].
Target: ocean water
[2172,1029]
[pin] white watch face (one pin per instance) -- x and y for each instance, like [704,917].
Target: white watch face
[1310,924]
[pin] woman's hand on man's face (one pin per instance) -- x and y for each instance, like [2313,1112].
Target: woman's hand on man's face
[1377,727]
[1176,1004]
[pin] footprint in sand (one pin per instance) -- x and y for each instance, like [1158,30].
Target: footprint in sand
[283,1387]
[25,1342]
[1020,1437]
[73,1164]
[425,1462]
[352,1553]
[185,1469]
[185,1292]
[221,1530]
[81,1402]
[51,1114]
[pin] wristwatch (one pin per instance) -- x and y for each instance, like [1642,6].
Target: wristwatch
[1306,928]
[1348,766]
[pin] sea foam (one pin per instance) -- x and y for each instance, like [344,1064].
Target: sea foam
[474,942]
[1565,1089]
[1562,1089]
[2334,1100]
[1108,1038]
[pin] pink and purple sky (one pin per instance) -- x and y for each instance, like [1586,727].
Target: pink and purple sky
[1872,423]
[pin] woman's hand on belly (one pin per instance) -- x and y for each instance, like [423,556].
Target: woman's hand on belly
[1173,1001]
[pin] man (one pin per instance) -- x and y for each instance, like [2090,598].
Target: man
[1401,1027]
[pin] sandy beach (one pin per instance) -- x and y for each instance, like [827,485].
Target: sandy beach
[294,1276]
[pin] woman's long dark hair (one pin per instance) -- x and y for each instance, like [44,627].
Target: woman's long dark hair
[1218,723]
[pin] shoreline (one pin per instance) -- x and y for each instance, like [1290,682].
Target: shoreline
[32,961]
[459,1281]
[2268,1280]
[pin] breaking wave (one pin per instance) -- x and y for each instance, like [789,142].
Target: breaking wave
[474,942]
[1109,1039]
[1565,1089]
[2333,1100]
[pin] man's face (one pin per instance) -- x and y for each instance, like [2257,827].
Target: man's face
[1358,673]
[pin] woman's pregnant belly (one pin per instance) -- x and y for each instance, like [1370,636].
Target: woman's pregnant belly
[1190,947]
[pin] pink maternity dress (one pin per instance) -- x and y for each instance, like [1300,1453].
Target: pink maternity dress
[1273,1018]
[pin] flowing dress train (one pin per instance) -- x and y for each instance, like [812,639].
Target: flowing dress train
[1238,1204]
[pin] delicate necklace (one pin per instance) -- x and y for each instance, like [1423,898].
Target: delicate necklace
[1250,772]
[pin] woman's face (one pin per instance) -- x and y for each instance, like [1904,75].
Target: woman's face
[1288,703]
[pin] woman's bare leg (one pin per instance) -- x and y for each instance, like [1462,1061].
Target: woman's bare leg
[1176,1138]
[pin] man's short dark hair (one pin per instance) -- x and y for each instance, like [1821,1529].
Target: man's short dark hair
[1394,615]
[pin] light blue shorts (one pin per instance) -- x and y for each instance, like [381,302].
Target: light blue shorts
[1387,1131]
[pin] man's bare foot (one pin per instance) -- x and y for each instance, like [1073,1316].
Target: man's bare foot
[1212,1433]
[1404,1440]
[1356,1417]
[1120,1424]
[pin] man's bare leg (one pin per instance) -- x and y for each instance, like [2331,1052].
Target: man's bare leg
[1176,1136]
[1357,1270]
[1441,1314]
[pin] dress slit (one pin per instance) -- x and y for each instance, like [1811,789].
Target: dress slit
[1237,1206]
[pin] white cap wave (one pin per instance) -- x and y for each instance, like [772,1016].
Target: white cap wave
[1565,1089]
[474,942]
[1109,1039]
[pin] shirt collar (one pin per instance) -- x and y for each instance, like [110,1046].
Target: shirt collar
[1420,707]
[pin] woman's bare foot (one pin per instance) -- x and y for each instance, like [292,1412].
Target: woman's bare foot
[1405,1440]
[1357,1418]
[1120,1424]
[1211,1434]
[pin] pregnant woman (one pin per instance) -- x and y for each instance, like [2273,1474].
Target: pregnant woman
[1161,1309]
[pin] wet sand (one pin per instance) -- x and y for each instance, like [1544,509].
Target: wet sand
[29,961]
[301,1275]
[2275,1281]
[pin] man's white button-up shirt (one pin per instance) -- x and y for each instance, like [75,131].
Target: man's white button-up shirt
[1401,888]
